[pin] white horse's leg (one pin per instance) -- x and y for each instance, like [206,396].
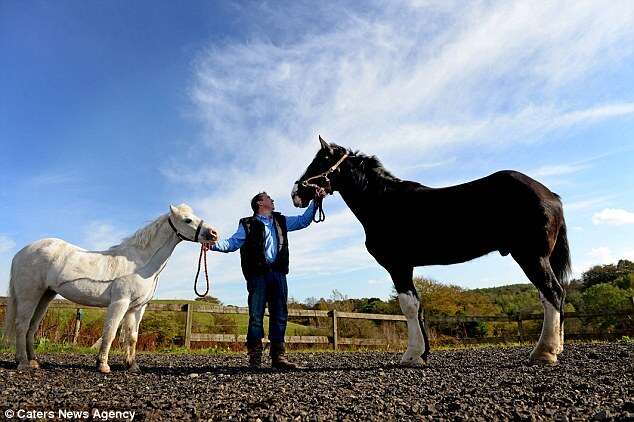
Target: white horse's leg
[415,344]
[116,312]
[548,345]
[133,320]
[38,316]
[25,310]
[124,333]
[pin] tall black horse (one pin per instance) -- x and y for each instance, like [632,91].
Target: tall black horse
[409,225]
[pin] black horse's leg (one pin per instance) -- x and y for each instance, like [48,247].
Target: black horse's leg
[540,273]
[423,326]
[418,340]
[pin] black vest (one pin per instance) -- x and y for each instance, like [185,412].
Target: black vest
[252,255]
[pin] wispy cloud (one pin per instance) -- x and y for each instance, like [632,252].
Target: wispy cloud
[613,216]
[101,235]
[49,179]
[557,170]
[379,281]
[413,82]
[584,204]
[6,244]
[601,255]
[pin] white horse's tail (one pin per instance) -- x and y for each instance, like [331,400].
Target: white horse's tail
[10,311]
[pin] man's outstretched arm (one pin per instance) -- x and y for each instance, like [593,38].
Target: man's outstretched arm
[233,243]
[298,222]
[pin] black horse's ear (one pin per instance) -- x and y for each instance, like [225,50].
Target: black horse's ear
[325,145]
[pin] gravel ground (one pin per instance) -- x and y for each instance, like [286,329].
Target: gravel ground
[590,382]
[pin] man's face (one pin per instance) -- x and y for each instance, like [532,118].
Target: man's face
[267,204]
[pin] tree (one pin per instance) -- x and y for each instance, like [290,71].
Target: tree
[623,271]
[604,298]
[210,300]
[599,274]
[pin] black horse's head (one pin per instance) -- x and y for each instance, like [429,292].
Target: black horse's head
[320,173]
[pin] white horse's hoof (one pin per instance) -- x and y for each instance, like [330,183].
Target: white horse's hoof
[27,365]
[543,358]
[134,368]
[104,368]
[416,362]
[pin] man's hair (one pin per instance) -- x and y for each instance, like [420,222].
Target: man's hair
[254,202]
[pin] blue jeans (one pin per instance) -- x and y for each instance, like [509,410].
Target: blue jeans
[271,289]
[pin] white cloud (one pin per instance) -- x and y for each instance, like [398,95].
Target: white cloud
[411,82]
[380,281]
[557,170]
[46,180]
[601,255]
[6,244]
[100,235]
[583,204]
[613,216]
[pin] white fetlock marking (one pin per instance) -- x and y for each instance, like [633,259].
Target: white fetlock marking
[415,344]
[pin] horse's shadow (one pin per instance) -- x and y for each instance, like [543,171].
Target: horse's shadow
[5,364]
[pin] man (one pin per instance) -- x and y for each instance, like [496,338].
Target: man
[263,243]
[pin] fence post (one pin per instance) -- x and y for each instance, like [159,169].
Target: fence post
[189,308]
[335,341]
[520,327]
[78,316]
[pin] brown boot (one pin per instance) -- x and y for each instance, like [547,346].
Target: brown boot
[278,357]
[254,350]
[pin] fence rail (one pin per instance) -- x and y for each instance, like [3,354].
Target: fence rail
[334,340]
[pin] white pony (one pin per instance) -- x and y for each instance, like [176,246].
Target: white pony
[122,278]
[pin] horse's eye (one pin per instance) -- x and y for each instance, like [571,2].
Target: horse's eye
[187,220]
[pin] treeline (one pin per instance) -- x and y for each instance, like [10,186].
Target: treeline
[603,289]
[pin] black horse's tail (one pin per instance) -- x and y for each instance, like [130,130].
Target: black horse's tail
[560,257]
[560,263]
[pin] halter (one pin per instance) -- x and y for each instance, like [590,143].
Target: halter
[320,215]
[324,175]
[180,236]
[203,254]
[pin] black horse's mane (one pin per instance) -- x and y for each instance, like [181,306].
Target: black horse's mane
[368,173]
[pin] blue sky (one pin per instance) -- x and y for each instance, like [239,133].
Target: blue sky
[110,111]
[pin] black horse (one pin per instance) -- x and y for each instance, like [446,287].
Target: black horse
[408,225]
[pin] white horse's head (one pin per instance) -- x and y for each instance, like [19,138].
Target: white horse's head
[190,227]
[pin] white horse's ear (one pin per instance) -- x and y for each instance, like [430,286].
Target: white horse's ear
[173,209]
[325,145]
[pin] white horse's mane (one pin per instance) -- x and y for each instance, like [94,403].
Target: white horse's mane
[142,237]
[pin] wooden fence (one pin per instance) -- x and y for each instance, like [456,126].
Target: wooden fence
[334,340]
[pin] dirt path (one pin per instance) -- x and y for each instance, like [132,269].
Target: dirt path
[591,381]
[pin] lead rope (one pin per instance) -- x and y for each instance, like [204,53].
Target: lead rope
[204,247]
[319,215]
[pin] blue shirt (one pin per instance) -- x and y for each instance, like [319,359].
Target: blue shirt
[296,222]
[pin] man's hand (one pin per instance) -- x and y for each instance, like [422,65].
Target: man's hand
[320,193]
